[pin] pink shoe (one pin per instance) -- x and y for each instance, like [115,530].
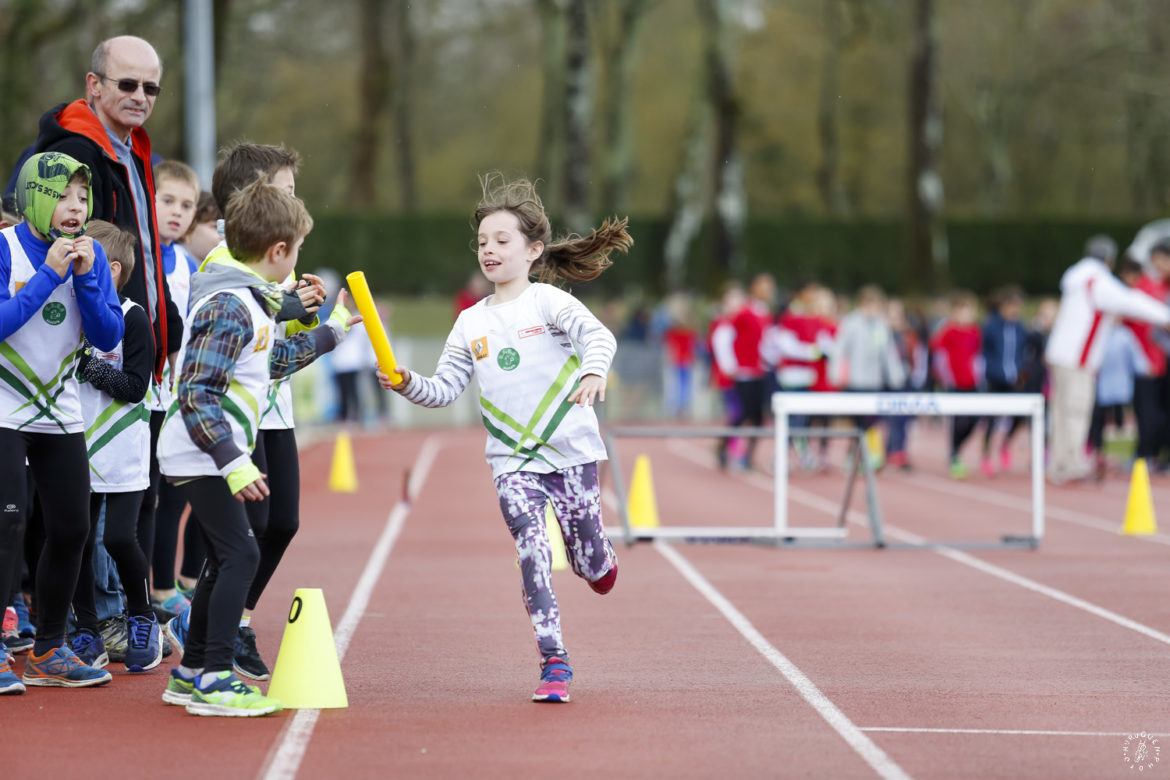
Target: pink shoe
[987,467]
[606,582]
[1005,459]
[554,681]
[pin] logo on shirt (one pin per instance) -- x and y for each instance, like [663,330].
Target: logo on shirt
[508,359]
[530,332]
[479,348]
[17,285]
[54,313]
[261,340]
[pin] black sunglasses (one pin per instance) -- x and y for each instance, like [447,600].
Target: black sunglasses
[130,86]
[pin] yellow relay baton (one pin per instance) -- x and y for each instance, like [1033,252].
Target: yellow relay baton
[374,329]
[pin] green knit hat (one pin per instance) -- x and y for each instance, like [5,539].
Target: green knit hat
[40,185]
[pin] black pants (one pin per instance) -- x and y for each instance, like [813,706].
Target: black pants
[962,426]
[60,469]
[232,556]
[1000,387]
[1102,416]
[752,395]
[275,520]
[121,542]
[146,512]
[1150,415]
[168,512]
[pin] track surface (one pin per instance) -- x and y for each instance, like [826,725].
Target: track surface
[705,661]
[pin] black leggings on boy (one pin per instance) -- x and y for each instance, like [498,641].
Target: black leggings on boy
[168,512]
[60,467]
[121,542]
[275,520]
[232,555]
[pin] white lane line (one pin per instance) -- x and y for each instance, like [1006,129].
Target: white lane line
[863,745]
[821,504]
[988,496]
[284,759]
[1005,732]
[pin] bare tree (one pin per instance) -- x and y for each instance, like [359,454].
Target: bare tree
[403,101]
[1147,120]
[828,112]
[554,41]
[578,116]
[730,201]
[373,95]
[621,54]
[688,194]
[927,236]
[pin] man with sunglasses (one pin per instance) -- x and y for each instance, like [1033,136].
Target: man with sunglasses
[105,131]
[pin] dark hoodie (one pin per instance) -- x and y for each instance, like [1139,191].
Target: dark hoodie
[73,128]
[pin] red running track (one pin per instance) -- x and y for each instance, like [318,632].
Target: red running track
[705,661]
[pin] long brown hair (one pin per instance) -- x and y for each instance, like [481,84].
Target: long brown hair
[572,258]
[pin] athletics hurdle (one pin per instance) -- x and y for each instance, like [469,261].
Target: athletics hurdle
[779,533]
[915,404]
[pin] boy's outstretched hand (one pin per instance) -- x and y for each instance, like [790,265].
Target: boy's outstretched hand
[311,290]
[389,384]
[342,299]
[591,387]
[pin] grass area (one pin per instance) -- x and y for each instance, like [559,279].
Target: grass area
[421,315]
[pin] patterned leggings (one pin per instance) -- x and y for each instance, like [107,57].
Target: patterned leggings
[576,500]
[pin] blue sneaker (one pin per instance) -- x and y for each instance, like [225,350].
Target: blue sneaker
[23,620]
[89,648]
[179,689]
[177,631]
[9,682]
[144,649]
[60,668]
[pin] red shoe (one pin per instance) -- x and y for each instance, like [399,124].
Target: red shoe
[606,582]
[555,675]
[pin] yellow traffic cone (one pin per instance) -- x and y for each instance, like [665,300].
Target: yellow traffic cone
[343,475]
[641,506]
[1139,508]
[307,674]
[560,560]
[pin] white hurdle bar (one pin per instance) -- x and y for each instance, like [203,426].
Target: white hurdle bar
[914,405]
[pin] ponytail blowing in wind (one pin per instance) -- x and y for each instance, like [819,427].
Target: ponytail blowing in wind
[572,258]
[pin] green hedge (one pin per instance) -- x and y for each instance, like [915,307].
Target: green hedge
[416,255]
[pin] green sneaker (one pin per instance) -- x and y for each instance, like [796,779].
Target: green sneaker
[958,470]
[178,690]
[228,696]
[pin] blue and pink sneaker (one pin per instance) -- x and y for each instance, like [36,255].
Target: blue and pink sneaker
[555,675]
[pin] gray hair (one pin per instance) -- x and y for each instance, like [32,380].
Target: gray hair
[1101,247]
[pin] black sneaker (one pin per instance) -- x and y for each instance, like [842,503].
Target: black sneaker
[247,661]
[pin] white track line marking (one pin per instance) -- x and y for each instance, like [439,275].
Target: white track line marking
[988,496]
[1005,732]
[822,504]
[863,745]
[285,757]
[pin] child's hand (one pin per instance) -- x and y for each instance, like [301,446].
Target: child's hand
[247,483]
[311,291]
[255,491]
[60,256]
[589,388]
[82,256]
[341,308]
[388,383]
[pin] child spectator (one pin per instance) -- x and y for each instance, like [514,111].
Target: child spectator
[720,340]
[114,385]
[175,201]
[1148,388]
[681,342]
[203,235]
[957,363]
[744,362]
[54,284]
[518,343]
[1004,346]
[1124,360]
[230,355]
[912,353]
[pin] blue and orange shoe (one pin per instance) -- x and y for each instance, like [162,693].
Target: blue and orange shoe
[61,668]
[604,584]
[144,648]
[9,682]
[555,675]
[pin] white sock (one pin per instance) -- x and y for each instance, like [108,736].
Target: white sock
[245,621]
[188,673]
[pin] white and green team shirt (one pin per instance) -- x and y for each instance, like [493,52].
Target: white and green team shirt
[178,455]
[277,413]
[117,434]
[522,352]
[38,388]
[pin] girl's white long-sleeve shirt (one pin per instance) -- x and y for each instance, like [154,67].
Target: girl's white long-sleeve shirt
[523,355]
